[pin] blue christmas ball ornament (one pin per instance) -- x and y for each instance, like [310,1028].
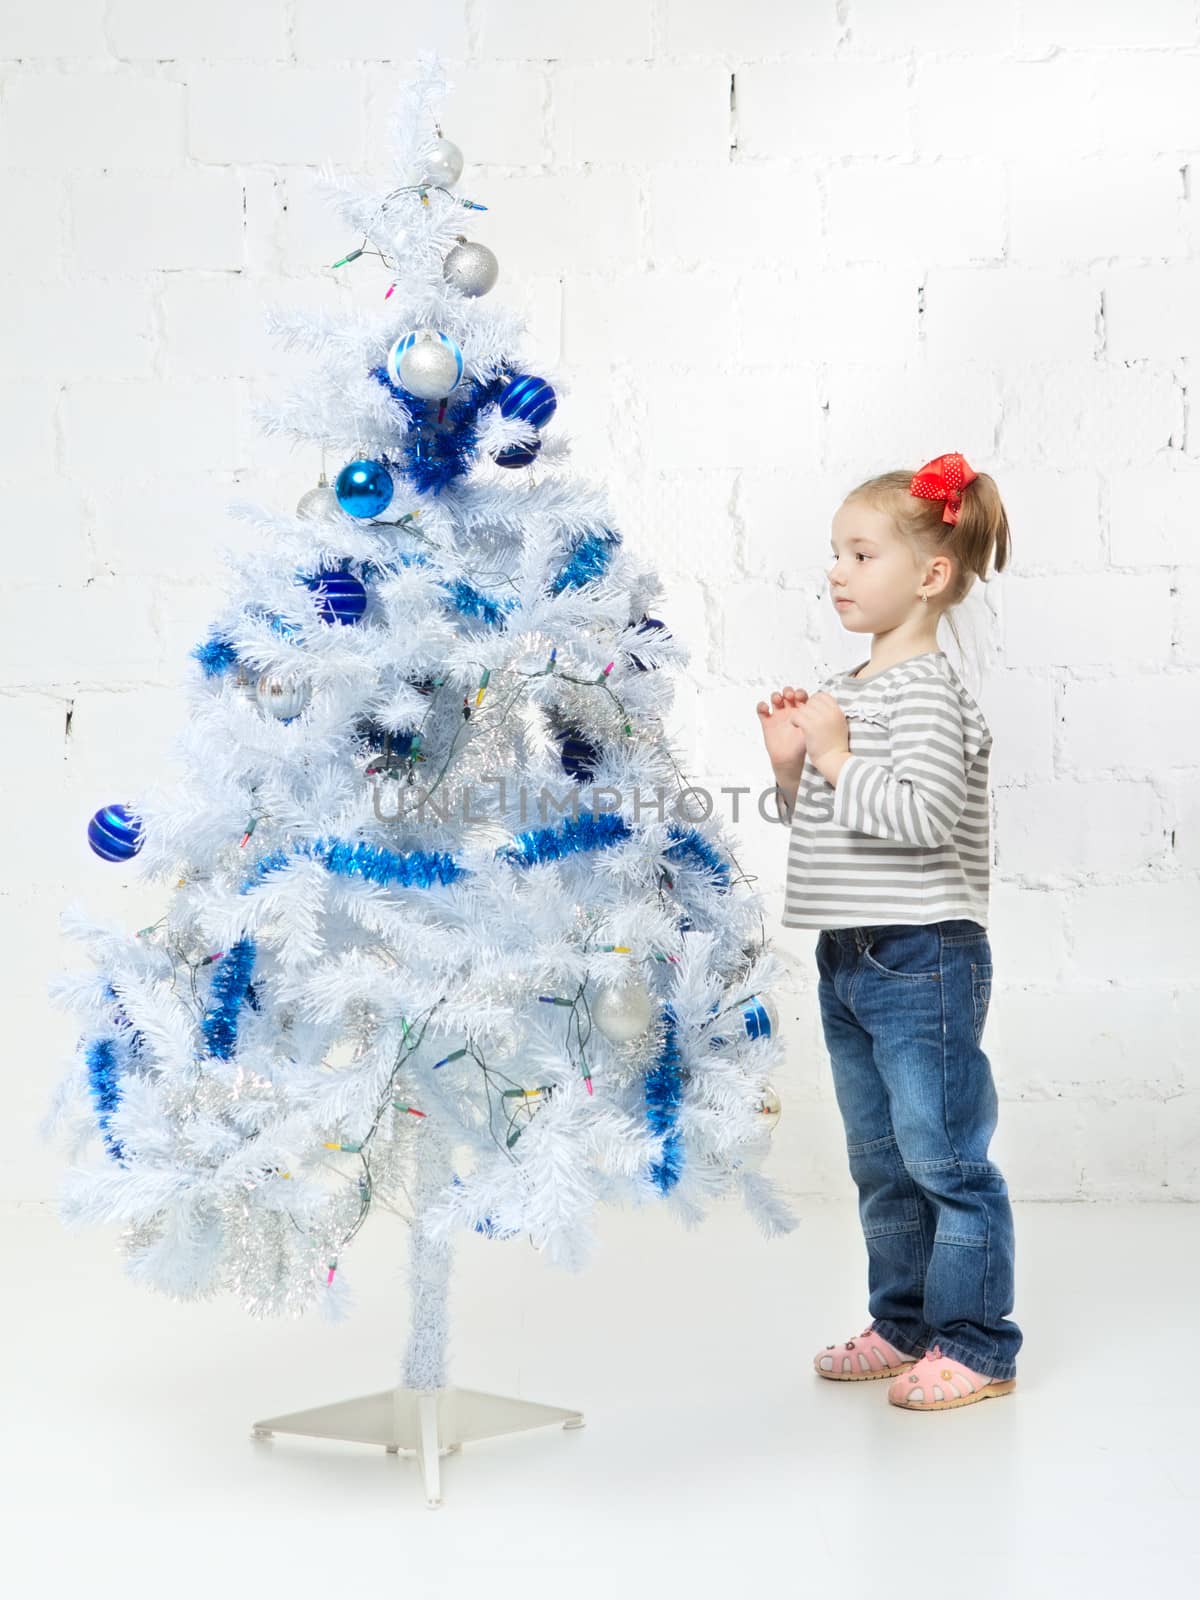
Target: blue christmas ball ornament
[399,741]
[579,756]
[654,632]
[528,399]
[364,488]
[115,833]
[517,455]
[340,596]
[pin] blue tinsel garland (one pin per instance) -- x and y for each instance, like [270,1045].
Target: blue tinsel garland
[585,832]
[373,570]
[434,453]
[465,598]
[472,602]
[419,869]
[664,1092]
[216,655]
[588,561]
[695,849]
[106,1094]
[230,989]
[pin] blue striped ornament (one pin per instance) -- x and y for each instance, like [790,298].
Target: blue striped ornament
[517,455]
[528,399]
[758,1018]
[115,833]
[453,366]
[340,596]
[364,488]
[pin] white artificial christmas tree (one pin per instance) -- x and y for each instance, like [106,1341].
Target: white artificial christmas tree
[444,932]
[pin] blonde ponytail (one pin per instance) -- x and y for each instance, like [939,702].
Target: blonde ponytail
[978,539]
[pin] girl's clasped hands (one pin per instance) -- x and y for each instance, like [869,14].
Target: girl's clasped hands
[794,725]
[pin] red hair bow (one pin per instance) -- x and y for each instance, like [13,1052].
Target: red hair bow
[942,479]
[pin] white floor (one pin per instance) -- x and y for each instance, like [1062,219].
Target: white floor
[713,1458]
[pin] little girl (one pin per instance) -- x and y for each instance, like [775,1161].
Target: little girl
[883,776]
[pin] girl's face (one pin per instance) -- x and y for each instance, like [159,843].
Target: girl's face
[873,579]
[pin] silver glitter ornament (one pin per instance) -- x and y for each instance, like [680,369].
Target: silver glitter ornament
[471,267]
[319,503]
[445,164]
[623,1013]
[430,367]
[282,697]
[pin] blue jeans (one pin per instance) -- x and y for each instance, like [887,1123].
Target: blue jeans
[903,1009]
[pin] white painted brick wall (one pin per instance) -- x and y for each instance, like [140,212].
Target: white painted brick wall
[875,229]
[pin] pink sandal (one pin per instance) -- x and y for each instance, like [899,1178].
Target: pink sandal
[868,1356]
[938,1382]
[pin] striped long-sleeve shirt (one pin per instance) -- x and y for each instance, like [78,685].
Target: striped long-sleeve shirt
[904,835]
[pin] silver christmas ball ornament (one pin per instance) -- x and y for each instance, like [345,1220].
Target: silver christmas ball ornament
[444,164]
[471,267]
[317,504]
[769,1108]
[282,697]
[426,363]
[623,1013]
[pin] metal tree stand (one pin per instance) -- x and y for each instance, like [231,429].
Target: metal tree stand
[423,1415]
